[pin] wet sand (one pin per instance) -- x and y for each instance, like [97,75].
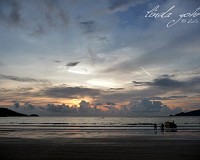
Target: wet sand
[133,148]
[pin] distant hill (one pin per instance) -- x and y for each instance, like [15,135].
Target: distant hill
[191,113]
[5,112]
[33,115]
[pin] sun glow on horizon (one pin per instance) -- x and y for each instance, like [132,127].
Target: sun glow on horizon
[78,70]
[103,83]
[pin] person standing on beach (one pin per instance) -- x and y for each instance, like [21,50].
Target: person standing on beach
[162,127]
[155,126]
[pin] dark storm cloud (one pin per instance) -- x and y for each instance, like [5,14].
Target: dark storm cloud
[70,92]
[175,84]
[168,83]
[10,12]
[72,64]
[21,79]
[190,85]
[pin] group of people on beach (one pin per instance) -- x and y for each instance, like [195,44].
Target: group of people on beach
[161,127]
[167,126]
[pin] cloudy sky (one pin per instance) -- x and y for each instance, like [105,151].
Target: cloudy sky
[113,56]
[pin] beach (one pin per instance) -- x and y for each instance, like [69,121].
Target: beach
[92,138]
[137,148]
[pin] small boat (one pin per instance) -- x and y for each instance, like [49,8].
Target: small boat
[170,125]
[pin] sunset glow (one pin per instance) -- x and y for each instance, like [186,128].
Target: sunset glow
[119,57]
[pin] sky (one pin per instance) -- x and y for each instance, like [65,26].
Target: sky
[100,57]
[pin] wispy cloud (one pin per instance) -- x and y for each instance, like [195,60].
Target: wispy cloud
[123,5]
[72,64]
[116,89]
[57,61]
[22,79]
[146,72]
[12,17]
[167,98]
[38,31]
[127,95]
[50,14]
[88,26]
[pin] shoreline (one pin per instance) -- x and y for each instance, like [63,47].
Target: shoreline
[138,147]
[100,134]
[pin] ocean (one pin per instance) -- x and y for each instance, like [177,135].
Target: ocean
[95,127]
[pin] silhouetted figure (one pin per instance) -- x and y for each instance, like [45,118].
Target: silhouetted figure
[155,128]
[162,127]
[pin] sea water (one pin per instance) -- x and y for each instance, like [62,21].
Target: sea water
[95,127]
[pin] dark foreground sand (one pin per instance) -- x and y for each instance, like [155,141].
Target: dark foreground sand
[134,148]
